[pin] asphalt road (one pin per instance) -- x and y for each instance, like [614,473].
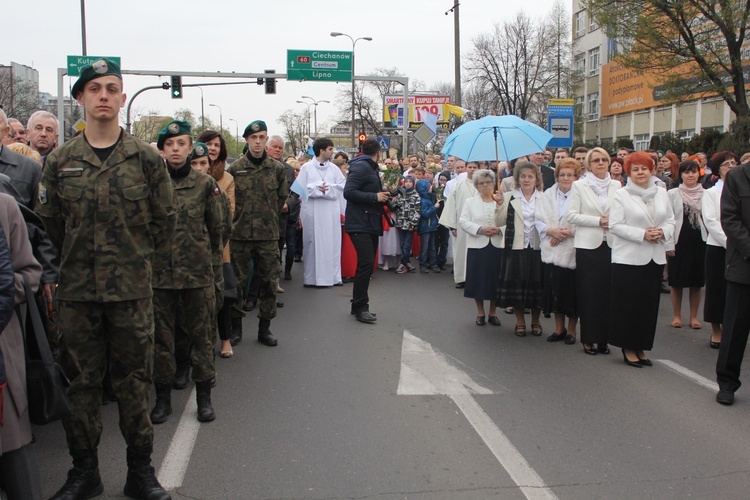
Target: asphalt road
[321,417]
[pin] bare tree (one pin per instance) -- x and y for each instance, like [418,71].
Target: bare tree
[514,64]
[18,98]
[295,130]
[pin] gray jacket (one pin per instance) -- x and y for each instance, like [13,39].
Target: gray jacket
[24,174]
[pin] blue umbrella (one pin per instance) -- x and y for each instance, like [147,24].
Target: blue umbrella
[496,137]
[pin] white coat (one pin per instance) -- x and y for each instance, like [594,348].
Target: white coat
[585,211]
[711,212]
[548,215]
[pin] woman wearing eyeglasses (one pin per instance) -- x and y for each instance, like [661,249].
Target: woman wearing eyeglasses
[480,220]
[716,247]
[590,201]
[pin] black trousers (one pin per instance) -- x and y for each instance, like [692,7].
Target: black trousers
[734,336]
[443,236]
[366,245]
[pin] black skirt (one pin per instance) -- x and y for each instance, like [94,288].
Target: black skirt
[593,283]
[559,290]
[521,283]
[687,268]
[633,315]
[483,272]
[716,285]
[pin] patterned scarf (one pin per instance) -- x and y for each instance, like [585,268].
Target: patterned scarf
[691,201]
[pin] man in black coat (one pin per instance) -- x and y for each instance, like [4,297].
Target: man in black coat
[365,197]
[735,220]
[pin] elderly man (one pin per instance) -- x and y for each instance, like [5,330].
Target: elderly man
[42,132]
[24,173]
[19,131]
[275,149]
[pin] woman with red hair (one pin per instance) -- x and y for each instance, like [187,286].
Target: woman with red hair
[668,169]
[641,221]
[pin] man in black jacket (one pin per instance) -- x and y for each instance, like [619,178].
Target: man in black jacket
[365,197]
[735,220]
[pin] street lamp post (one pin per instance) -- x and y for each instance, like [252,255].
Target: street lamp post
[236,137]
[203,114]
[354,44]
[221,120]
[315,111]
[308,104]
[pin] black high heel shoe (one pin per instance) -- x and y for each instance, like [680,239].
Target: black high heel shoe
[480,321]
[636,364]
[589,350]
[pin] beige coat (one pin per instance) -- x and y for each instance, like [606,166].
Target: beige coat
[227,185]
[17,430]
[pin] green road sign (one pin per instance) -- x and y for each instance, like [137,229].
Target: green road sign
[319,65]
[75,63]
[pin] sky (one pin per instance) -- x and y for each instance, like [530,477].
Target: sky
[248,36]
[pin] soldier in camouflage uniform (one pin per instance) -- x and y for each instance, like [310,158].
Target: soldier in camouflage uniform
[107,204]
[260,192]
[183,279]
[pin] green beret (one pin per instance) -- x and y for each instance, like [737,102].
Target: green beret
[200,149]
[254,128]
[172,129]
[98,68]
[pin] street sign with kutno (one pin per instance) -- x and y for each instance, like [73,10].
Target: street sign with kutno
[75,63]
[319,65]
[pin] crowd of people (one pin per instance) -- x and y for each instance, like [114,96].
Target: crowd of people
[146,257]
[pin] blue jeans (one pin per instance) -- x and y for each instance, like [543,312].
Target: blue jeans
[405,237]
[427,252]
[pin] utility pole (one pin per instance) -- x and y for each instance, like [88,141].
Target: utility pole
[83,28]
[456,50]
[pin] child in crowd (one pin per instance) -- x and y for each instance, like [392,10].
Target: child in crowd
[427,229]
[408,219]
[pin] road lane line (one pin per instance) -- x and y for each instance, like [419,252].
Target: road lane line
[690,374]
[177,459]
[425,371]
[510,458]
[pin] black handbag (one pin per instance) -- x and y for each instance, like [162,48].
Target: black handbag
[45,381]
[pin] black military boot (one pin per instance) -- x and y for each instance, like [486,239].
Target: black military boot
[163,407]
[203,398]
[236,336]
[265,336]
[182,375]
[83,479]
[141,482]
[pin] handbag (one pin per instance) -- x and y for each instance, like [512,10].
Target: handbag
[45,381]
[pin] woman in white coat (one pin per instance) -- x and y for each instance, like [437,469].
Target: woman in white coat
[480,220]
[716,247]
[590,200]
[686,252]
[641,221]
[558,252]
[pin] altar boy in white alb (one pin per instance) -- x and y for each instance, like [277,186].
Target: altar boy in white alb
[323,183]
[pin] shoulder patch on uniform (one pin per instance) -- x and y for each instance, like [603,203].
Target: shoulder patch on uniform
[217,190]
[42,193]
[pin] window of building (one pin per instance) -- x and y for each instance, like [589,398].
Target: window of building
[686,134]
[579,65]
[594,61]
[578,105]
[579,23]
[593,109]
[593,26]
[641,142]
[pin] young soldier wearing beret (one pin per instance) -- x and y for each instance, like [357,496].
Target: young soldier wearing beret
[183,280]
[260,193]
[107,204]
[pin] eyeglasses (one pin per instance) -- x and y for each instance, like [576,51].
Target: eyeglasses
[729,163]
[599,160]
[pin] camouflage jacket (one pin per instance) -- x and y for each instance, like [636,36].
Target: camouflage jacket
[260,192]
[194,251]
[107,218]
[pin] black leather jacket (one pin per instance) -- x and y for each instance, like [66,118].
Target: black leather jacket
[364,213]
[735,220]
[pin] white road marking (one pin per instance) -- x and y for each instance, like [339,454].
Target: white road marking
[427,372]
[177,459]
[690,374]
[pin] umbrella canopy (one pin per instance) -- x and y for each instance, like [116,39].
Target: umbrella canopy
[496,138]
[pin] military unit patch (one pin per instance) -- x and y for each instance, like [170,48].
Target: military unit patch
[42,193]
[217,191]
[173,128]
[100,66]
[200,150]
[255,127]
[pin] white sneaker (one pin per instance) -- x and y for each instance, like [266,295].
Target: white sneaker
[385,267]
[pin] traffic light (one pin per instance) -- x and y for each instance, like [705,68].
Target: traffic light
[270,82]
[362,138]
[176,87]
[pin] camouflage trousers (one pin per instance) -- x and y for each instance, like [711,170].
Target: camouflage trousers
[265,257]
[88,329]
[187,314]
[183,344]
